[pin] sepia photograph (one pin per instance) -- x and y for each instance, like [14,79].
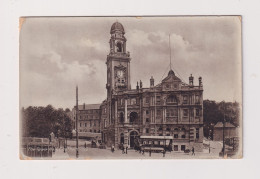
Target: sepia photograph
[126,87]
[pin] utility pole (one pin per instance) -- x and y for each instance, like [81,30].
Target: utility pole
[224,133]
[77,134]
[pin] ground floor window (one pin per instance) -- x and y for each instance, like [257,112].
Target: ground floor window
[175,147]
[182,147]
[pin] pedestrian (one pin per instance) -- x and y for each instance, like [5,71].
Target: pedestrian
[126,149]
[193,151]
[112,148]
[85,145]
[123,149]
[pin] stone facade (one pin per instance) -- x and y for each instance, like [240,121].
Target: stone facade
[170,108]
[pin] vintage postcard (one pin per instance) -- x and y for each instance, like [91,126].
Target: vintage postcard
[130,87]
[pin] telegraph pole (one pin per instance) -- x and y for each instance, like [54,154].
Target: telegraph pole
[224,133]
[77,134]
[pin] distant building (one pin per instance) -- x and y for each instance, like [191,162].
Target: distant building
[88,120]
[170,108]
[230,131]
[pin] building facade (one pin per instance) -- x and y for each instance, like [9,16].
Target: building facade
[170,108]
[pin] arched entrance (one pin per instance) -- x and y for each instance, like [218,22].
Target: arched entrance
[133,136]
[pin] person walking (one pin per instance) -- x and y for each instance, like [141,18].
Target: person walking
[126,149]
[123,149]
[193,151]
[112,148]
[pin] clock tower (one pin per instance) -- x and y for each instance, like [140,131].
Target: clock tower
[118,61]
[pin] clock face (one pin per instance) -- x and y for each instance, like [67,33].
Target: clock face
[120,73]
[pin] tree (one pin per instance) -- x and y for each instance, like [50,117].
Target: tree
[41,121]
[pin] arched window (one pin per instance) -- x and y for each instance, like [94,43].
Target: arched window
[133,117]
[121,117]
[119,47]
[171,99]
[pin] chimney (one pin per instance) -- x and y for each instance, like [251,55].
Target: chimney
[152,82]
[200,81]
[137,86]
[191,80]
[141,84]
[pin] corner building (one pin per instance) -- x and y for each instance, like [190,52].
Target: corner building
[170,108]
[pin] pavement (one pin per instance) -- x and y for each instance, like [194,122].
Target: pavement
[89,153]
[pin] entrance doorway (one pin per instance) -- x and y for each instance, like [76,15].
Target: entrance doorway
[122,139]
[133,136]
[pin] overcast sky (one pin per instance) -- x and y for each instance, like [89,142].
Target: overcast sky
[56,54]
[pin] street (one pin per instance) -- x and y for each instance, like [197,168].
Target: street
[96,153]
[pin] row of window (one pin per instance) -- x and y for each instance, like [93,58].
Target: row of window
[95,131]
[90,124]
[173,112]
[171,100]
[88,117]
[89,111]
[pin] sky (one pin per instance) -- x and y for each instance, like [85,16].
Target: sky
[58,53]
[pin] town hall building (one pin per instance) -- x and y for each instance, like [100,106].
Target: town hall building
[170,108]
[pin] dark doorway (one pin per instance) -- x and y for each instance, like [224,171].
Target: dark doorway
[133,136]
[122,139]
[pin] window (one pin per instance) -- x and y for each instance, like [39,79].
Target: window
[197,112]
[133,101]
[183,136]
[167,86]
[121,117]
[182,147]
[158,99]
[147,100]
[147,130]
[171,99]
[171,112]
[158,112]
[133,117]
[98,123]
[94,123]
[147,111]
[185,99]
[175,147]
[175,136]
[95,131]
[90,130]
[185,112]
[119,47]
[147,120]
[197,99]
[85,124]
[197,133]
[90,124]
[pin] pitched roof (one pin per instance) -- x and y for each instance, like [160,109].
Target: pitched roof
[89,106]
[227,124]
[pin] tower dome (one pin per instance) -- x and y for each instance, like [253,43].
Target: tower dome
[117,26]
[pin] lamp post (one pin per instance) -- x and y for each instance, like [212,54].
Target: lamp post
[224,121]
[77,135]
[209,139]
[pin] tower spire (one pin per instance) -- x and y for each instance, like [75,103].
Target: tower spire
[170,52]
